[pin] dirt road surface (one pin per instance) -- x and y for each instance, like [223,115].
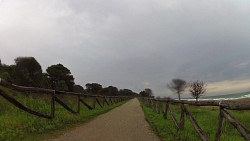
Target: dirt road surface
[125,123]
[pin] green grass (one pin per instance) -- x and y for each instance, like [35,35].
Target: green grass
[16,124]
[207,118]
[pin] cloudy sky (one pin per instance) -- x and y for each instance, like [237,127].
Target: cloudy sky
[134,43]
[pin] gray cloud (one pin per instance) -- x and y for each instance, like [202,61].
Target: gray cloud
[131,44]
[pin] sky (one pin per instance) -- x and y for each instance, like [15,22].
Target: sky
[134,44]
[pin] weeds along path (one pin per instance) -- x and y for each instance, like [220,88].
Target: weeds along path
[125,123]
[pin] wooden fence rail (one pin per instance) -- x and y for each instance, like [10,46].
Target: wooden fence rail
[101,100]
[223,114]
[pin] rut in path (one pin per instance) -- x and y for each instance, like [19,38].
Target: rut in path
[125,123]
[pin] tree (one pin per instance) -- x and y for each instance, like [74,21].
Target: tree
[112,91]
[27,71]
[109,91]
[146,93]
[177,86]
[60,77]
[61,86]
[149,92]
[78,89]
[6,72]
[6,76]
[45,81]
[126,92]
[143,94]
[197,89]
[93,88]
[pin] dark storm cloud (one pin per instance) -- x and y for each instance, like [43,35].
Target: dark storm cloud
[131,44]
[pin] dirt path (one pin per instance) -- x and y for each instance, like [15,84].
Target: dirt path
[125,123]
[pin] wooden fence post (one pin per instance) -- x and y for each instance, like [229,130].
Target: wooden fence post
[110,100]
[98,102]
[182,118]
[106,100]
[94,102]
[53,97]
[219,127]
[21,106]
[103,101]
[78,104]
[59,101]
[155,105]
[241,129]
[166,110]
[86,104]
[197,128]
[159,107]
[173,117]
[147,101]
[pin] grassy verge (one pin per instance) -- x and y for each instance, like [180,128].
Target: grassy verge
[16,124]
[206,118]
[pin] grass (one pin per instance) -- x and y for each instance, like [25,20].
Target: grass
[16,124]
[207,118]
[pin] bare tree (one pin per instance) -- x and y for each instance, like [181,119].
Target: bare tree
[197,89]
[177,86]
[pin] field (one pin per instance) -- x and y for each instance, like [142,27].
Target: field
[16,124]
[206,118]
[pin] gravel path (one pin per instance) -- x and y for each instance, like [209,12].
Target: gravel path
[125,123]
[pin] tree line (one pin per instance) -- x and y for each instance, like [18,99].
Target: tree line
[27,71]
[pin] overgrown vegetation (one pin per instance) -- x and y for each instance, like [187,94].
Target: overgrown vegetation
[206,118]
[17,124]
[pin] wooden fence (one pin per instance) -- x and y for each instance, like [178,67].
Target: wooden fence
[54,96]
[156,104]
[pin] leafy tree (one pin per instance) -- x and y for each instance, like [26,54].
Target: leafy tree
[109,91]
[177,86]
[146,93]
[7,68]
[6,76]
[143,94]
[126,92]
[149,92]
[78,89]
[93,88]
[27,71]
[69,80]
[197,89]
[61,86]
[113,91]
[6,72]
[60,77]
[45,81]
